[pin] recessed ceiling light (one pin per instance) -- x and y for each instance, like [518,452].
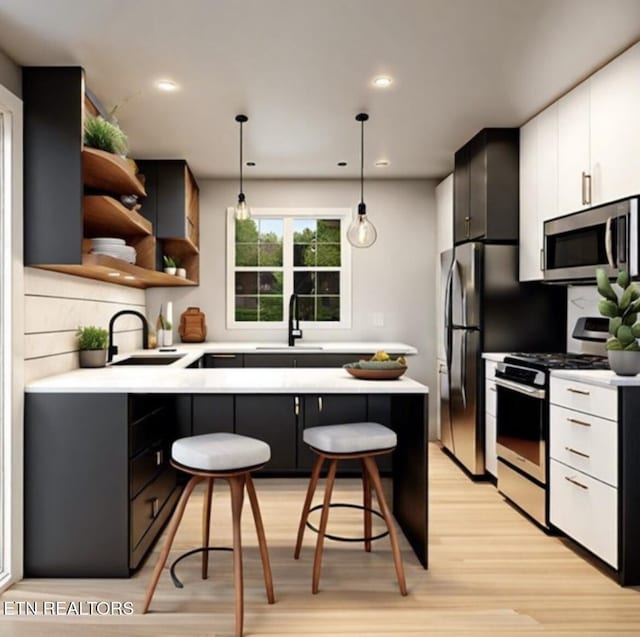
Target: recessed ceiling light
[382,81]
[166,85]
[251,163]
[382,163]
[129,277]
[114,274]
[342,164]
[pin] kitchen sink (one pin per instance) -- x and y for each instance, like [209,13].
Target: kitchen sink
[290,348]
[149,360]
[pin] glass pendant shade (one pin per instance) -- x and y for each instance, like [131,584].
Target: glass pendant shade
[242,210]
[362,233]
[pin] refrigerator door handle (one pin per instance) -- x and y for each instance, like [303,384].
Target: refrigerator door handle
[463,370]
[447,314]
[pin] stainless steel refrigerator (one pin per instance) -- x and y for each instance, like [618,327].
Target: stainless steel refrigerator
[486,309]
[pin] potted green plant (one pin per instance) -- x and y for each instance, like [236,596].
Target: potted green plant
[104,135]
[169,265]
[621,308]
[92,346]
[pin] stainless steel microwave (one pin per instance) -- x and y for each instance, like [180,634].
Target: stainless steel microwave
[605,236]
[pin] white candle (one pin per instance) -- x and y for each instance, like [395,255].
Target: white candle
[169,314]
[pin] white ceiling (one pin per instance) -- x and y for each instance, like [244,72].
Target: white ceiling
[301,70]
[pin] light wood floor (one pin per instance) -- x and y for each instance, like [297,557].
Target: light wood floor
[491,573]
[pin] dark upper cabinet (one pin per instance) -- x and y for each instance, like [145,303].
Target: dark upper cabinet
[486,187]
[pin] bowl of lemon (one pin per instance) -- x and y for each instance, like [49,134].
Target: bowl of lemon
[379,367]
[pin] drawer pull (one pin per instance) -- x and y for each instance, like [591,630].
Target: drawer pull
[578,484]
[159,457]
[579,422]
[319,403]
[296,403]
[154,507]
[582,392]
[492,388]
[578,453]
[222,355]
[521,459]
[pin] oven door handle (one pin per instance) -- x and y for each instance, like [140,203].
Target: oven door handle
[523,389]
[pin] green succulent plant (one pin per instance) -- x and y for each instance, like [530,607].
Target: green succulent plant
[170,262]
[91,337]
[104,135]
[621,308]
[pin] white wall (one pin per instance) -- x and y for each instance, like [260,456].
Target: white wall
[394,277]
[57,304]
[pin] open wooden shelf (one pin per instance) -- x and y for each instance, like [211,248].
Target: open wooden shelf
[104,268]
[106,171]
[106,217]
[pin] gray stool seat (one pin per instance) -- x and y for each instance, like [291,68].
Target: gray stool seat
[220,452]
[353,437]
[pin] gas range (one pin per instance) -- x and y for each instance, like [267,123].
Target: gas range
[546,362]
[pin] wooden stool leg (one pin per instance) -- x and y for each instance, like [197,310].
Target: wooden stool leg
[313,483]
[372,468]
[206,527]
[171,533]
[262,540]
[366,500]
[317,561]
[236,484]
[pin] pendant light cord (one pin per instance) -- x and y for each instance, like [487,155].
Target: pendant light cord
[241,156]
[362,161]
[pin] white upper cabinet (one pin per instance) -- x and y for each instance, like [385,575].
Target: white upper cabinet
[538,188]
[615,128]
[573,149]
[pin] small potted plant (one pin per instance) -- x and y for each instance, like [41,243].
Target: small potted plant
[92,346]
[104,135]
[621,308]
[181,272]
[169,265]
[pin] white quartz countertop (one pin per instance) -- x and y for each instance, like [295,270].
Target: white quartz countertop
[172,380]
[301,347]
[496,357]
[602,377]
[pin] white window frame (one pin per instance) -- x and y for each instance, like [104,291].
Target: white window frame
[345,215]
[11,343]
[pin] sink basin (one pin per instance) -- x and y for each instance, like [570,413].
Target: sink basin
[291,348]
[149,360]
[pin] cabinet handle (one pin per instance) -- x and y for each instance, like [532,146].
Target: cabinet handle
[319,403]
[467,227]
[542,259]
[154,507]
[159,457]
[296,403]
[582,392]
[492,388]
[578,453]
[578,484]
[586,188]
[584,423]
[222,355]
[521,459]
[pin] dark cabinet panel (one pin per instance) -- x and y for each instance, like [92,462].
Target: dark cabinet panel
[269,360]
[212,414]
[486,187]
[333,409]
[223,360]
[328,360]
[274,420]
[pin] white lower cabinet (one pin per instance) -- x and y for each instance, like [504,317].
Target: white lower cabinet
[490,453]
[586,510]
[583,473]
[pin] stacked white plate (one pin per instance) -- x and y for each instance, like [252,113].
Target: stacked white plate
[113,247]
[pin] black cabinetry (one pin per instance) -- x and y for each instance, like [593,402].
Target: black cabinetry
[486,187]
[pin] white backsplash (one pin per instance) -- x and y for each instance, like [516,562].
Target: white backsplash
[582,300]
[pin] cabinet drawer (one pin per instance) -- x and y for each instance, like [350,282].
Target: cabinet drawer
[147,505]
[490,453]
[146,466]
[490,398]
[589,399]
[586,510]
[490,369]
[223,360]
[584,442]
[147,431]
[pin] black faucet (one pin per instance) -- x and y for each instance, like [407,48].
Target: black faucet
[113,349]
[294,332]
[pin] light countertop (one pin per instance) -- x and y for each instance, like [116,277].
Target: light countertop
[168,379]
[496,357]
[602,377]
[301,347]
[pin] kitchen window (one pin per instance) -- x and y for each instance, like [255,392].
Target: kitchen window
[279,252]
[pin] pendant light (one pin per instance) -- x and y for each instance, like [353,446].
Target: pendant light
[243,212]
[361,233]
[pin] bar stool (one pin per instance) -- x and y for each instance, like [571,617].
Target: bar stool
[232,458]
[361,441]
